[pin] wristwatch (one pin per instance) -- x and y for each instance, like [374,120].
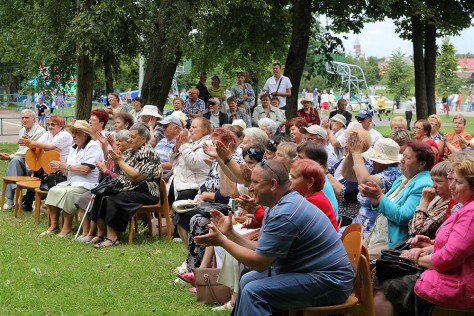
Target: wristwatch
[68,168]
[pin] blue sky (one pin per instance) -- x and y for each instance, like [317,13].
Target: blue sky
[380,40]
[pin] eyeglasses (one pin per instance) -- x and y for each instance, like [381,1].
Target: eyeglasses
[263,163]
[272,145]
[51,124]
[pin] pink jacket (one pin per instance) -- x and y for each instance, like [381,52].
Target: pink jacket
[451,282]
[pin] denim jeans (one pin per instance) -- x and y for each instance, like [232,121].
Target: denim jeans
[262,295]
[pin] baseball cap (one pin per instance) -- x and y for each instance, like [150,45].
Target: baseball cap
[363,114]
[315,130]
[171,119]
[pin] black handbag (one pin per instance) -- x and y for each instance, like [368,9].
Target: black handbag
[107,186]
[50,180]
[205,208]
[390,265]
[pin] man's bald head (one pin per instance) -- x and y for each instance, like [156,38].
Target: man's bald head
[269,182]
[274,169]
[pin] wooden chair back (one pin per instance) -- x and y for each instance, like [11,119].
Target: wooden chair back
[161,209]
[353,245]
[33,158]
[355,227]
[47,157]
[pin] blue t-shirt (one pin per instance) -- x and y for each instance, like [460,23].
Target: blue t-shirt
[329,193]
[303,240]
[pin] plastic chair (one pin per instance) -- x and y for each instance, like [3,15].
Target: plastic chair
[161,209]
[31,157]
[43,160]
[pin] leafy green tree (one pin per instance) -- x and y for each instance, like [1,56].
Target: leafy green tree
[446,67]
[422,21]
[399,75]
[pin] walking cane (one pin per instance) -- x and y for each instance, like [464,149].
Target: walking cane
[91,200]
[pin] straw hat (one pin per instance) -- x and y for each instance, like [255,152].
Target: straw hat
[339,118]
[82,126]
[308,97]
[150,110]
[385,151]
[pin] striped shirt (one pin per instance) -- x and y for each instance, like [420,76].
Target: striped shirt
[301,237]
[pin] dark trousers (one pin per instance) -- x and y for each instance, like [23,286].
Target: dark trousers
[409,115]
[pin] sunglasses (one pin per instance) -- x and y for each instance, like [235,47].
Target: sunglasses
[254,154]
[263,163]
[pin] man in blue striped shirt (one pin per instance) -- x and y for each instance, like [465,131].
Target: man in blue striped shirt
[299,259]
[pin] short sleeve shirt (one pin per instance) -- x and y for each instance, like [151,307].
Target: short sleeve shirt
[41,108]
[301,237]
[62,141]
[86,156]
[282,84]
[375,136]
[195,108]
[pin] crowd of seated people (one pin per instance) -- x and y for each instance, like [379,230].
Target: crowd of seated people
[301,190]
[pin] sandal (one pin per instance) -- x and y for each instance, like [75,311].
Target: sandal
[96,240]
[104,244]
[188,277]
[226,307]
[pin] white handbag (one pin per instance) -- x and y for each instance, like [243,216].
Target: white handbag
[183,206]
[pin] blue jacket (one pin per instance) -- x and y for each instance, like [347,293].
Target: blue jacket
[401,210]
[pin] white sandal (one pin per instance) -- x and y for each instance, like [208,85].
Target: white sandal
[226,307]
[183,268]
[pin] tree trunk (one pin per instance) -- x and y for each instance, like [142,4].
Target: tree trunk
[85,74]
[11,87]
[109,78]
[430,67]
[163,58]
[302,20]
[85,81]
[418,60]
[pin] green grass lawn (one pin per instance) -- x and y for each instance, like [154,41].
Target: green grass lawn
[51,276]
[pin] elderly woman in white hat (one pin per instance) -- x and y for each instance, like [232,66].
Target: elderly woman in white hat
[150,116]
[82,175]
[336,135]
[308,112]
[385,170]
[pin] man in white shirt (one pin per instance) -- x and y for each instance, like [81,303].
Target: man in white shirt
[17,166]
[364,117]
[278,85]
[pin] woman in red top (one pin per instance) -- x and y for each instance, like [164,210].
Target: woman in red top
[307,178]
[308,112]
